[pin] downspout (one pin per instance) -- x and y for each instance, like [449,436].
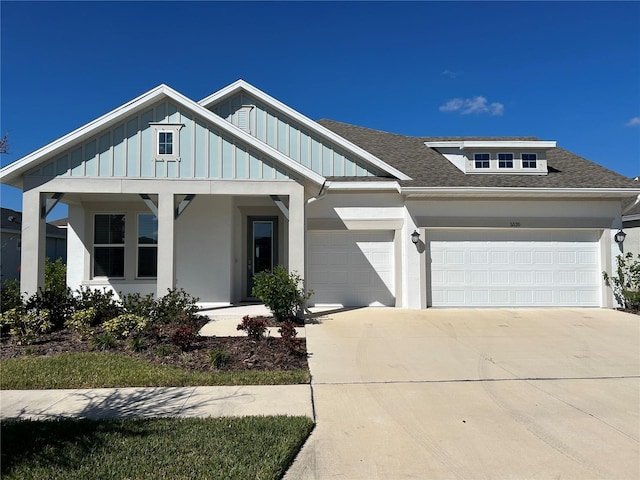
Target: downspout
[324,189]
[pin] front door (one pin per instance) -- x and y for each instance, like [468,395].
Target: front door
[262,247]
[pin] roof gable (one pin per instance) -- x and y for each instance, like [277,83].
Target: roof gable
[12,173]
[337,148]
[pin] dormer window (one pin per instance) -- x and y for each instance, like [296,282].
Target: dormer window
[481,160]
[529,160]
[167,141]
[505,160]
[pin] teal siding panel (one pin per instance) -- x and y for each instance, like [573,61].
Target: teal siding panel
[316,156]
[269,173]
[215,145]
[49,169]
[104,155]
[75,159]
[201,160]
[255,166]
[172,113]
[172,169]
[242,163]
[338,164]
[293,144]
[223,110]
[161,112]
[228,167]
[361,171]
[118,152]
[90,162]
[147,160]
[62,165]
[305,155]
[327,161]
[272,128]
[133,148]
[186,146]
[261,124]
[161,169]
[281,173]
[349,168]
[283,144]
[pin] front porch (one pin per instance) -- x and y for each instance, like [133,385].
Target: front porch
[207,237]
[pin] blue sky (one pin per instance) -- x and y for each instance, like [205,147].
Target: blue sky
[564,71]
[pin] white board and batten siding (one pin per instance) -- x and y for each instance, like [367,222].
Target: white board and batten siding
[351,268]
[514,269]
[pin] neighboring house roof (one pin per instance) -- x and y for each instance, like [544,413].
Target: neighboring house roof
[15,224]
[428,168]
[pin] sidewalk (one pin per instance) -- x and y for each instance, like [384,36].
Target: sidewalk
[224,401]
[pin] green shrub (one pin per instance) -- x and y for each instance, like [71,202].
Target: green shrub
[126,325]
[256,327]
[281,292]
[10,295]
[626,283]
[175,305]
[163,350]
[25,326]
[136,344]
[183,337]
[103,302]
[104,341]
[136,304]
[81,321]
[219,357]
[55,276]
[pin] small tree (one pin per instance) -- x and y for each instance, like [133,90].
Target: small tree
[626,283]
[280,291]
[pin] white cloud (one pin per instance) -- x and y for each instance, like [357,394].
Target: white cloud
[475,105]
[449,73]
[634,122]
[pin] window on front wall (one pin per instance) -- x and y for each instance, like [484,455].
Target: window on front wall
[108,245]
[481,160]
[529,160]
[167,141]
[147,246]
[505,160]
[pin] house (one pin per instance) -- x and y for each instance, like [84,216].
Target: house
[631,226]
[11,232]
[166,192]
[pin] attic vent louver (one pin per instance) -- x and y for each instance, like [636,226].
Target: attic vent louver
[243,118]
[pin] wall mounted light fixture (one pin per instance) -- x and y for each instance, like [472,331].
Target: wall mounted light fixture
[415,237]
[620,236]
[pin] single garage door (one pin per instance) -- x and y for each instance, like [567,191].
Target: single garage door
[351,268]
[514,268]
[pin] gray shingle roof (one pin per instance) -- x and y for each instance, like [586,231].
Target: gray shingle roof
[428,168]
[16,223]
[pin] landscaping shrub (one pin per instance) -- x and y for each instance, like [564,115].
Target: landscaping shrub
[104,341]
[219,357]
[103,302]
[81,321]
[626,283]
[281,292]
[26,326]
[136,344]
[10,295]
[288,334]
[136,304]
[256,327]
[176,304]
[126,325]
[184,337]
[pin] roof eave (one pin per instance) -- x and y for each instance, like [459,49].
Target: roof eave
[546,192]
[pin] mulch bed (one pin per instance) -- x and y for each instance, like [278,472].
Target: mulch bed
[244,354]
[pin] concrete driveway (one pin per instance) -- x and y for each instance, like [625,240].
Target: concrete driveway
[475,394]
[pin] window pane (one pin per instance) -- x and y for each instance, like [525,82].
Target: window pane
[147,261]
[147,229]
[108,262]
[109,229]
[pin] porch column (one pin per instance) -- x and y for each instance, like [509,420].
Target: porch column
[33,244]
[296,232]
[166,243]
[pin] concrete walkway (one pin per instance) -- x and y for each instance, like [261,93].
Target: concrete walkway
[474,394]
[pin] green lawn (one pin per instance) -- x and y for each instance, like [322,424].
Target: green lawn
[101,370]
[221,448]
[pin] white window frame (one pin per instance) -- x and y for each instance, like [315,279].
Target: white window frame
[535,160]
[174,129]
[512,160]
[475,165]
[143,245]
[123,245]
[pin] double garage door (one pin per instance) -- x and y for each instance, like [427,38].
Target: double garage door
[513,268]
[351,268]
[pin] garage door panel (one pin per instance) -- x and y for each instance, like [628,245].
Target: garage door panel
[351,268]
[558,269]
